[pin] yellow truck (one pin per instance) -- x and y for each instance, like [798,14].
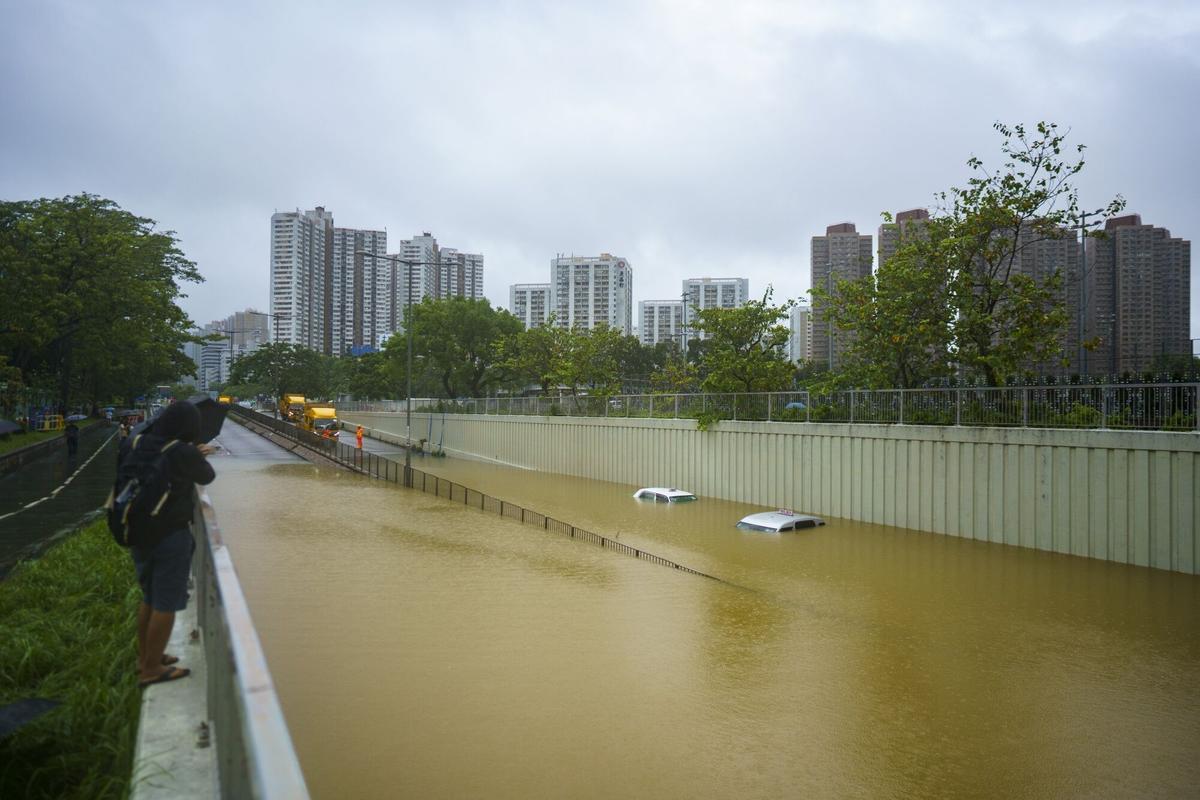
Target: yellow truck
[226,399]
[321,419]
[291,407]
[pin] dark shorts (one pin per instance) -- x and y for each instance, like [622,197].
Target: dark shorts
[162,570]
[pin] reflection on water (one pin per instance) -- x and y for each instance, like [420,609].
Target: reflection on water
[426,649]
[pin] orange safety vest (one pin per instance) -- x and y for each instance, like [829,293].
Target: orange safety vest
[358,436]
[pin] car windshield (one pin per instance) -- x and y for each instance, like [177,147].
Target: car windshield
[750,526]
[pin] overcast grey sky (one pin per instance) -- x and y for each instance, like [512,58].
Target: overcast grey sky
[693,138]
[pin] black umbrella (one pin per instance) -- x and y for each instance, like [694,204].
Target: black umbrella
[7,426]
[212,417]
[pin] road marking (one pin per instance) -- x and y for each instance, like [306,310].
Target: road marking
[53,494]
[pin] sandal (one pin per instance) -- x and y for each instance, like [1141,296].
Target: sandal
[169,674]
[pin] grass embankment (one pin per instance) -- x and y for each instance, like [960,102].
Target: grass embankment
[67,631]
[14,441]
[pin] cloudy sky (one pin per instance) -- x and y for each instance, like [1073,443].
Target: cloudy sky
[693,138]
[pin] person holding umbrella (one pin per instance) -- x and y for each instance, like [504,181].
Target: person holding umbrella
[163,563]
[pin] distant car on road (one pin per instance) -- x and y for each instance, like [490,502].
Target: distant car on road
[779,521]
[661,495]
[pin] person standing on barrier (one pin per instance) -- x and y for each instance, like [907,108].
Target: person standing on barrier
[358,434]
[164,564]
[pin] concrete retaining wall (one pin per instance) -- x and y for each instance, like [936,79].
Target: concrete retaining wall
[1126,496]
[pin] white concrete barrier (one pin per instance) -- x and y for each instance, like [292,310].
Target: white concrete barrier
[1125,496]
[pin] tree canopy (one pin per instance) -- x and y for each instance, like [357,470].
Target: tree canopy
[88,295]
[745,347]
[461,343]
[960,290]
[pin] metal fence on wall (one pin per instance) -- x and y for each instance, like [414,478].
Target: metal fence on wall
[1148,406]
[392,471]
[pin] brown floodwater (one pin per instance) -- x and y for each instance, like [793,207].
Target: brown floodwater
[425,649]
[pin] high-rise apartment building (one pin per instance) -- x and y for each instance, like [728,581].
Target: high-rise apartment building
[842,253]
[531,303]
[1137,297]
[331,294]
[1040,253]
[361,293]
[661,321]
[702,293]
[590,290]
[301,270]
[800,340]
[891,233]
[436,272]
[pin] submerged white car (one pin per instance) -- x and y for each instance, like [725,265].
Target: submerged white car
[778,521]
[661,495]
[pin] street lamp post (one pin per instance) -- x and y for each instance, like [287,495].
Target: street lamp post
[409,337]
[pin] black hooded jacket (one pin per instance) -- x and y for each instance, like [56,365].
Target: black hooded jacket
[187,465]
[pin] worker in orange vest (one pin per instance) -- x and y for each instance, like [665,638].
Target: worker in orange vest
[358,436]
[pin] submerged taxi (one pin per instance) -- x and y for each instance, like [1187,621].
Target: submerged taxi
[779,521]
[661,495]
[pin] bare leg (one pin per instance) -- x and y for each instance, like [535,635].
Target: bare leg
[143,624]
[158,631]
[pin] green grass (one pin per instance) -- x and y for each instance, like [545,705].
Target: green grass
[67,632]
[14,441]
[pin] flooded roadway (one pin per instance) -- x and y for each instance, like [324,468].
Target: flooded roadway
[426,649]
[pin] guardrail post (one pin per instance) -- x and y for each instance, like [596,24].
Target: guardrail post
[1103,407]
[1025,408]
[651,405]
[768,406]
[735,406]
[807,407]
[901,406]
[676,406]
[958,406]
[852,393]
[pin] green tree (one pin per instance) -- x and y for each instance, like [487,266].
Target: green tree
[281,367]
[462,342]
[957,292]
[900,317]
[744,351]
[88,297]
[532,356]
[368,378]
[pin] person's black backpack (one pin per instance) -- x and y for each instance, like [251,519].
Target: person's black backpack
[141,490]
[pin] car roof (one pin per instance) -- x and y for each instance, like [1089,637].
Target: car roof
[775,519]
[667,492]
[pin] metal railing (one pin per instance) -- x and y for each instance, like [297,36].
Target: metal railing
[1146,406]
[254,752]
[392,471]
